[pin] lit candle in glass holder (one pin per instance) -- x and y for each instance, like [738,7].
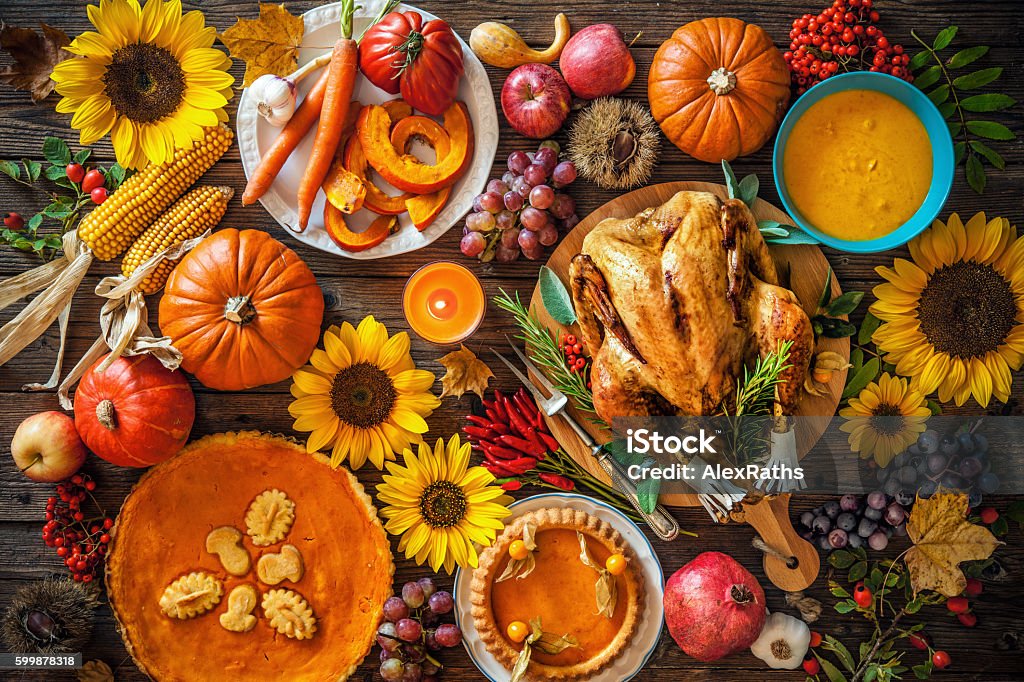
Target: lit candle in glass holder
[443,302]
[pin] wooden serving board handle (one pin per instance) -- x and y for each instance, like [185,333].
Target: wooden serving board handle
[770,518]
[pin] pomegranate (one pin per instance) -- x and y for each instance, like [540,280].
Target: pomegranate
[713,607]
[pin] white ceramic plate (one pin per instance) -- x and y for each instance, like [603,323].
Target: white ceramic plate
[645,640]
[255,135]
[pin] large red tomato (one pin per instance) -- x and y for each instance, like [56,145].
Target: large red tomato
[422,61]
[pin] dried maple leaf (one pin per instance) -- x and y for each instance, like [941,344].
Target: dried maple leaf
[466,372]
[943,537]
[269,44]
[34,57]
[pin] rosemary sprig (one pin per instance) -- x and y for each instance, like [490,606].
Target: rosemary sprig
[755,393]
[542,347]
[949,98]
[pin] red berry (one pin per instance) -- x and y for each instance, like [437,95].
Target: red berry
[862,595]
[940,659]
[974,587]
[92,180]
[14,221]
[968,620]
[108,523]
[989,515]
[958,604]
[811,666]
[75,172]
[919,640]
[98,195]
[815,638]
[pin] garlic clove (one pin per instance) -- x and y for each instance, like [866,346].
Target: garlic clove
[275,98]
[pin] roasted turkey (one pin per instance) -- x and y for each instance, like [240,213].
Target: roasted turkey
[676,301]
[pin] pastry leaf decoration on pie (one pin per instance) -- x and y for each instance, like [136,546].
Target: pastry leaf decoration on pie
[191,595]
[269,518]
[520,568]
[605,589]
[289,613]
[545,642]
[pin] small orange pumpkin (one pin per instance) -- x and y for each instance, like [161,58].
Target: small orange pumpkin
[243,309]
[718,87]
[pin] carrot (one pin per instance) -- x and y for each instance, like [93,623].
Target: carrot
[287,140]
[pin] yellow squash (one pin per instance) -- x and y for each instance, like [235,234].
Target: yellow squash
[500,45]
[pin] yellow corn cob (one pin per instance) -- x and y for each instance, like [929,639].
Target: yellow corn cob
[112,226]
[196,212]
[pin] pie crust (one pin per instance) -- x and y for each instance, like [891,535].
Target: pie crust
[160,535]
[550,593]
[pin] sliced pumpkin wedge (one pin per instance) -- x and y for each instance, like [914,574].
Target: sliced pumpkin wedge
[376,199]
[379,230]
[344,189]
[423,208]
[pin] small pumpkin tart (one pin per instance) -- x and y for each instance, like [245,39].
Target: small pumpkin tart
[561,590]
[186,583]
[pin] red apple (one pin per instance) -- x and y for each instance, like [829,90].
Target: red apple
[596,62]
[47,447]
[535,100]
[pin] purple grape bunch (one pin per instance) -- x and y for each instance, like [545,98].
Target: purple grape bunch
[855,521]
[522,212]
[412,632]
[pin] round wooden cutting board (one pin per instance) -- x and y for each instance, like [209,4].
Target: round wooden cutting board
[802,268]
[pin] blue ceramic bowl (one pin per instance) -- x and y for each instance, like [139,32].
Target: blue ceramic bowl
[943,164]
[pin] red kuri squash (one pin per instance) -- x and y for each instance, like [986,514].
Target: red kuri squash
[136,412]
[243,309]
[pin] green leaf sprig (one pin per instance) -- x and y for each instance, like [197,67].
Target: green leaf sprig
[948,91]
[64,209]
[826,320]
[773,231]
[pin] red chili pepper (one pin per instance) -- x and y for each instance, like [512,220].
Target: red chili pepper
[500,428]
[512,485]
[549,440]
[525,446]
[499,405]
[557,480]
[478,420]
[481,432]
[525,403]
[492,415]
[540,422]
[521,465]
[500,451]
[499,470]
[516,420]
[531,434]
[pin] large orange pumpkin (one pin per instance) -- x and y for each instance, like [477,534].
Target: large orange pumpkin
[718,87]
[243,309]
[136,412]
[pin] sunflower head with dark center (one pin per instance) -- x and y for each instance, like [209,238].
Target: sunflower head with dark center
[363,395]
[443,504]
[144,82]
[887,420]
[967,309]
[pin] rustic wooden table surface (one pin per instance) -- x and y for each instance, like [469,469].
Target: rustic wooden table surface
[353,289]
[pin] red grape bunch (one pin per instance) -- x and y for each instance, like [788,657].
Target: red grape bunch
[412,632]
[844,37]
[80,541]
[521,211]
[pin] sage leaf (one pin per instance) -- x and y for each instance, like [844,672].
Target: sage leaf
[919,60]
[647,490]
[977,79]
[56,151]
[794,236]
[944,38]
[845,304]
[990,155]
[10,169]
[861,379]
[967,56]
[826,290]
[990,130]
[556,297]
[928,77]
[748,188]
[939,94]
[993,101]
[731,183]
[975,174]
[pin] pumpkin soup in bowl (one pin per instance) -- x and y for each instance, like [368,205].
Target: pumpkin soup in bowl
[862,163]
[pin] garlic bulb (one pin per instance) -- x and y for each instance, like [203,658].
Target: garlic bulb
[275,98]
[275,95]
[783,642]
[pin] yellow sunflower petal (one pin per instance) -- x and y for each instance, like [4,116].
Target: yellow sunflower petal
[321,436]
[311,383]
[308,404]
[409,420]
[337,350]
[413,381]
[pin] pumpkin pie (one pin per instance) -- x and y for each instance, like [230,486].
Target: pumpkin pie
[188,562]
[561,591]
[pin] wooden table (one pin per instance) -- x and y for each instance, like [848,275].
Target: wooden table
[353,289]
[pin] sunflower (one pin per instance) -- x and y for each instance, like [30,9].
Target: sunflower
[362,396]
[441,506]
[953,316]
[149,77]
[885,418]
